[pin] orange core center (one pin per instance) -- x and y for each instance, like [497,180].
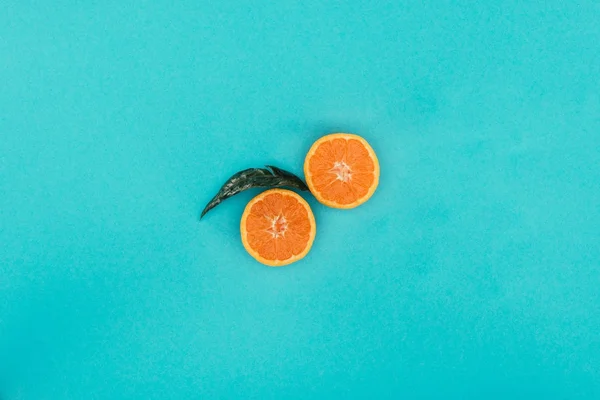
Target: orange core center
[278,226]
[342,171]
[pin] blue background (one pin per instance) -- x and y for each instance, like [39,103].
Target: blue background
[472,273]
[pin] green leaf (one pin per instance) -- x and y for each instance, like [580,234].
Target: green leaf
[270,177]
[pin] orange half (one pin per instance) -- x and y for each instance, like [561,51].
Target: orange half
[342,170]
[278,227]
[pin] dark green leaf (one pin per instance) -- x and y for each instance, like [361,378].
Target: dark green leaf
[269,177]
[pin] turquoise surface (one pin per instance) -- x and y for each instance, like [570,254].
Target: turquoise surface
[473,273]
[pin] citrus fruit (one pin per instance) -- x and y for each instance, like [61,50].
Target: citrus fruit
[278,227]
[342,170]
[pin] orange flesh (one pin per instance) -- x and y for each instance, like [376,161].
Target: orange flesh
[278,227]
[342,170]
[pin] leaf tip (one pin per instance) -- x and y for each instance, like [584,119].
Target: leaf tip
[203,214]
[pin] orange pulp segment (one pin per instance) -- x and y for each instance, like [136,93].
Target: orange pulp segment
[278,227]
[342,170]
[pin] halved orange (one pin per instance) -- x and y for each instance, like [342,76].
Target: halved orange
[278,227]
[341,170]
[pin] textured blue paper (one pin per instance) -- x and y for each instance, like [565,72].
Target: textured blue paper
[474,271]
